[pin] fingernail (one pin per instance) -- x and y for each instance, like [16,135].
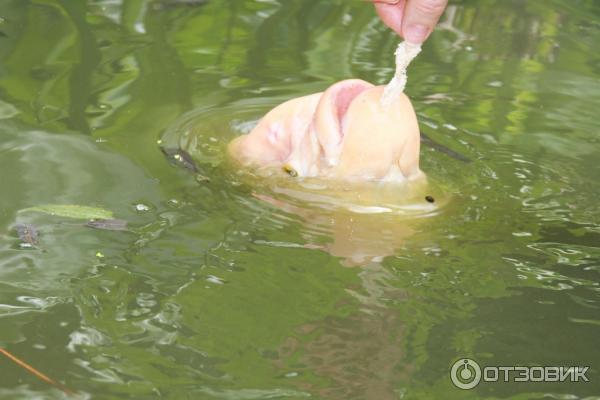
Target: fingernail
[416,33]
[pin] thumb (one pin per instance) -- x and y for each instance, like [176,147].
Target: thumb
[420,17]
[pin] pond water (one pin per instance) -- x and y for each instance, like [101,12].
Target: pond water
[231,287]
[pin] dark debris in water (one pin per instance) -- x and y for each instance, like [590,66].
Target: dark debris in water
[426,140]
[108,224]
[201,178]
[28,235]
[166,4]
[180,157]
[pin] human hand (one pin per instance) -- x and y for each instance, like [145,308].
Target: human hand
[414,20]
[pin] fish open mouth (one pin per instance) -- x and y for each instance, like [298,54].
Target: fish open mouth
[330,114]
[341,95]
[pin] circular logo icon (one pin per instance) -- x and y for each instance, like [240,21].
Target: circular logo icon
[465,374]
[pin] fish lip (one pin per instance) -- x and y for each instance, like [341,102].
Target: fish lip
[344,93]
[330,113]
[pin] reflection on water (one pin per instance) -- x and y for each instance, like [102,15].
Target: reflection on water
[361,355]
[230,286]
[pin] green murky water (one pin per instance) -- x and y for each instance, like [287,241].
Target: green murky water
[224,288]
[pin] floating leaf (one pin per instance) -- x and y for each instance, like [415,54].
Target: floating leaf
[108,224]
[73,211]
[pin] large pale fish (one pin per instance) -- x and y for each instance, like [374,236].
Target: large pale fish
[343,133]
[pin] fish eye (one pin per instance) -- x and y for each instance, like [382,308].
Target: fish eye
[430,199]
[288,169]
